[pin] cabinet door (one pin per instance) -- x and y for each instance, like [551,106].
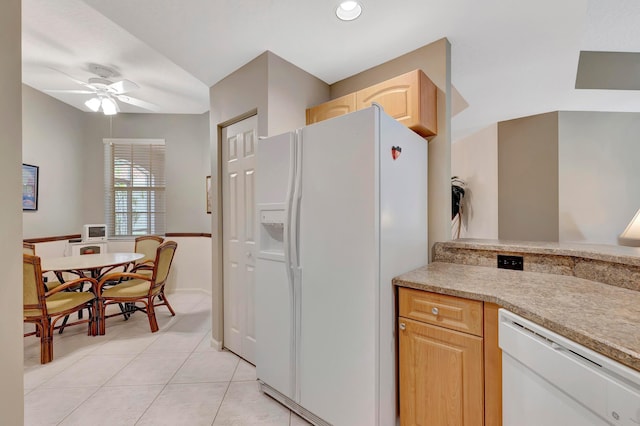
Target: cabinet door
[409,98]
[333,108]
[441,376]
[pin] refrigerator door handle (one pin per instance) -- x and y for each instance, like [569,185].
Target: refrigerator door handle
[287,252]
[295,264]
[287,220]
[297,194]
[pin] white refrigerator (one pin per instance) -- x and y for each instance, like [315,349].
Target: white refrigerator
[341,210]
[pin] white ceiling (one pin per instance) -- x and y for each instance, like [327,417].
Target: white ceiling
[510,58]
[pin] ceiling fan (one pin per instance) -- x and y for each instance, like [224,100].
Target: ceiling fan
[105,91]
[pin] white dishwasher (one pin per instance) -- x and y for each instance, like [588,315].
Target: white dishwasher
[548,380]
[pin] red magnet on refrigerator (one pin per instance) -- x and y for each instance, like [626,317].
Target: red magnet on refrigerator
[395,152]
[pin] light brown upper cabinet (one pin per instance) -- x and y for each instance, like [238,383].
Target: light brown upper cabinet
[333,108]
[409,98]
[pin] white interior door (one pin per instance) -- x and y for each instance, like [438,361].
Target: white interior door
[239,251]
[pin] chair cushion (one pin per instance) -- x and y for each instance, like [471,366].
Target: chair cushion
[145,272]
[50,285]
[131,288]
[61,302]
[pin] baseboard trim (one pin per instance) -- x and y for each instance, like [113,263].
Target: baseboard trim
[216,345]
[191,290]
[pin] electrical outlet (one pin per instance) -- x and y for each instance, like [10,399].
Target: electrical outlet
[510,262]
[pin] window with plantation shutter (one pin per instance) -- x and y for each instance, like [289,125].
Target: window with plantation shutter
[134,186]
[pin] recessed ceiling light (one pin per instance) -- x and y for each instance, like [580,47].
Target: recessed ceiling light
[349,10]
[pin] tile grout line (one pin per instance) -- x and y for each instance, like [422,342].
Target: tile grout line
[169,380]
[74,360]
[97,390]
[159,393]
[100,387]
[78,406]
[225,391]
[81,357]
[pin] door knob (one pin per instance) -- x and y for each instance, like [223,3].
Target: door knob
[435,311]
[403,326]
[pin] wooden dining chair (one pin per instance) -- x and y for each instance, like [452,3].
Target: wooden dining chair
[28,248]
[147,245]
[133,288]
[44,308]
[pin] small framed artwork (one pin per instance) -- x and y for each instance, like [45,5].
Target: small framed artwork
[29,187]
[208,188]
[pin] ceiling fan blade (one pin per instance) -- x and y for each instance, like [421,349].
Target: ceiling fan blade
[75,80]
[85,92]
[122,86]
[137,102]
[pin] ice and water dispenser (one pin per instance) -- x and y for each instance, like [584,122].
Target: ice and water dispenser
[272,219]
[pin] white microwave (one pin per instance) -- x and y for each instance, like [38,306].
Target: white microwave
[94,232]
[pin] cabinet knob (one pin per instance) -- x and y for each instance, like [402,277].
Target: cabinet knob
[435,311]
[403,326]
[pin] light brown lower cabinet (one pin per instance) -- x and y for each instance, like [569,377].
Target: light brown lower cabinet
[447,377]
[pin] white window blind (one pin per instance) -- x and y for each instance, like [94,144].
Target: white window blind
[134,186]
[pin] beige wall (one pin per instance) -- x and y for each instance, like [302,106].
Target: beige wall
[241,93]
[570,174]
[435,60]
[11,390]
[52,139]
[187,163]
[474,159]
[278,92]
[291,90]
[430,59]
[599,177]
[190,270]
[528,178]
[67,146]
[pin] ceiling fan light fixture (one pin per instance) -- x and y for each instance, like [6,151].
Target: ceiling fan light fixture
[109,106]
[348,10]
[93,104]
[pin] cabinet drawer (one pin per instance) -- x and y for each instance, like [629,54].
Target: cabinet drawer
[445,311]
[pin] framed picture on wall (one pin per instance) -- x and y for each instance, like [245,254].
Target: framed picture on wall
[29,187]
[208,188]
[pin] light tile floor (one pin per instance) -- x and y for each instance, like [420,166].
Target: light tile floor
[133,377]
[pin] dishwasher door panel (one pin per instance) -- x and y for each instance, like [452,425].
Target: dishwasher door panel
[529,400]
[551,380]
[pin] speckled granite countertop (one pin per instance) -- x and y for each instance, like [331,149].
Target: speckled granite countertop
[614,265]
[607,253]
[602,317]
